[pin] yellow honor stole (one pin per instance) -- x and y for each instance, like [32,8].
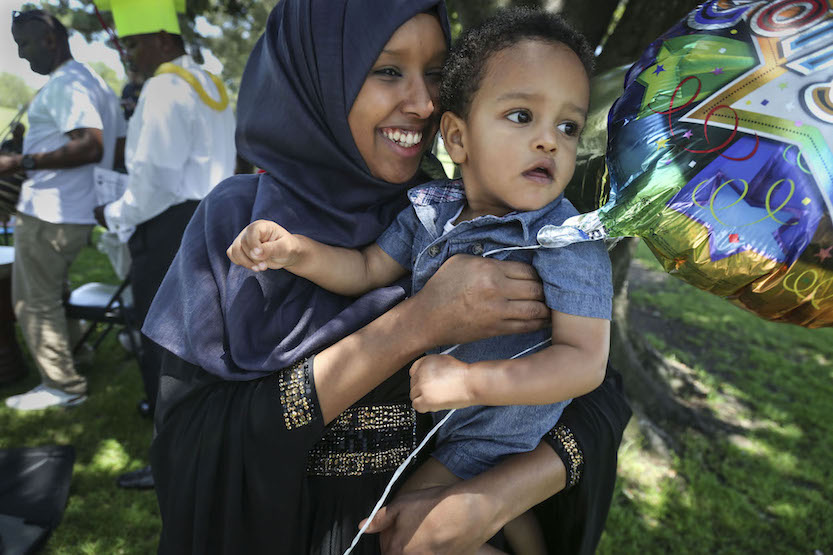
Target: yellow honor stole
[220,105]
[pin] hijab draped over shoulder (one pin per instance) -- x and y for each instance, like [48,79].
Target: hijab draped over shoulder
[297,90]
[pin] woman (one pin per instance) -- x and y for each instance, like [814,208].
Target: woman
[243,461]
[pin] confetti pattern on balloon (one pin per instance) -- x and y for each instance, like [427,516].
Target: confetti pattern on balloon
[719,156]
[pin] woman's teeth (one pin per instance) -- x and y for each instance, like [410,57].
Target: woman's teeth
[403,138]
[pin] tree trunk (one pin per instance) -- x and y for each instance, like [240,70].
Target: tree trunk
[591,17]
[640,25]
[648,375]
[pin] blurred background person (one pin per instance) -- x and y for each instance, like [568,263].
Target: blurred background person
[180,144]
[130,93]
[74,122]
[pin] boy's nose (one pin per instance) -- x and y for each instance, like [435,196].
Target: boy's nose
[546,140]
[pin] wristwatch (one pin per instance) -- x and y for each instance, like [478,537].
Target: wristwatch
[27,162]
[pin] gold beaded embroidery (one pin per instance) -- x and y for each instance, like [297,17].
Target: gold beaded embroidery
[296,395]
[565,437]
[365,440]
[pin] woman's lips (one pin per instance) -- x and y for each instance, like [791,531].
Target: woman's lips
[405,141]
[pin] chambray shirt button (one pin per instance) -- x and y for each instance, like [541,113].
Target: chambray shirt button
[433,250]
[477,249]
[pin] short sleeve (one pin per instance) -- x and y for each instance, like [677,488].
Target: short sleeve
[577,279]
[74,108]
[398,239]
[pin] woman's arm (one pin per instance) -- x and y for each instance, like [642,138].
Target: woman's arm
[468,298]
[461,518]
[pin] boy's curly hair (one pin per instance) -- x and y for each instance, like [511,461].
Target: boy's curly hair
[463,70]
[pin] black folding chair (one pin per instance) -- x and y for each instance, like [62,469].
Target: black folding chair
[105,306]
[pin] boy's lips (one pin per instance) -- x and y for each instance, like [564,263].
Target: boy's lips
[541,171]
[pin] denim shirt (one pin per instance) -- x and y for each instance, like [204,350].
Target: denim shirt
[577,278]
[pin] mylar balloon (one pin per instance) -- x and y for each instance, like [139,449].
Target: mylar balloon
[719,156]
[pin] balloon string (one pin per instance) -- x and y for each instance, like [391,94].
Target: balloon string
[410,457]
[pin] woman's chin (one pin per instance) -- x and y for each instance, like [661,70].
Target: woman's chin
[398,176]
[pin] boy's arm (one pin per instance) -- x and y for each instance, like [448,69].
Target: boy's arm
[264,244]
[348,272]
[572,366]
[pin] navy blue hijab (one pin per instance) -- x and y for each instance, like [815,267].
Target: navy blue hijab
[297,90]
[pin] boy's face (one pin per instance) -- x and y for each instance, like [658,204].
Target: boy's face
[517,148]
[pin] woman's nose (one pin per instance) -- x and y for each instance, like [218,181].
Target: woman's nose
[420,99]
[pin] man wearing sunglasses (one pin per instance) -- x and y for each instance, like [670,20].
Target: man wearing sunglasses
[74,121]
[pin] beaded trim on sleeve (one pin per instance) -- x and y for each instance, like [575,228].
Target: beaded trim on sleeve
[295,384]
[365,440]
[569,451]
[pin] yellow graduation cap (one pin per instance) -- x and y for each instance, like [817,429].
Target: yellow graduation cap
[139,17]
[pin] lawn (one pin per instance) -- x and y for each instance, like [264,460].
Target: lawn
[109,438]
[763,486]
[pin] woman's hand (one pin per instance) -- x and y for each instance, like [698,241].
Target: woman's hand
[471,298]
[439,382]
[461,518]
[264,244]
[436,520]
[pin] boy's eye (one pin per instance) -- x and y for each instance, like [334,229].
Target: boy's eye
[519,116]
[569,128]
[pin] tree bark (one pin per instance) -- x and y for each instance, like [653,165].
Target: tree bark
[641,24]
[591,17]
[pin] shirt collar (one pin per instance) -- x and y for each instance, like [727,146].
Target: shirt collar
[442,194]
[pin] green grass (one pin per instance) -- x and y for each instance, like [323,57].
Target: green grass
[109,438]
[764,487]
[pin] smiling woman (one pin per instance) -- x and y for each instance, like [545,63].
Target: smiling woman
[284,408]
[396,109]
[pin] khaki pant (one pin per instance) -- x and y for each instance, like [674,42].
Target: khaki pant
[43,252]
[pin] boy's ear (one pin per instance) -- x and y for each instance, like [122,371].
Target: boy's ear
[453,129]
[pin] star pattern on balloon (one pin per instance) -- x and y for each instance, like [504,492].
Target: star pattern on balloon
[770,74]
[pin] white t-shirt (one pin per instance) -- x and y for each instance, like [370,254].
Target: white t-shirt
[75,97]
[177,149]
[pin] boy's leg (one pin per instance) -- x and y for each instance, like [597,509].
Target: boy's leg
[525,536]
[430,474]
[523,533]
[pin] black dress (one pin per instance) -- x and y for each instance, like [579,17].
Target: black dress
[248,467]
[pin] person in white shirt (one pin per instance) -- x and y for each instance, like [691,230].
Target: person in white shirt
[74,121]
[180,144]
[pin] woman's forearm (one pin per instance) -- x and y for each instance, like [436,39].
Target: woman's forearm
[516,485]
[468,298]
[346,371]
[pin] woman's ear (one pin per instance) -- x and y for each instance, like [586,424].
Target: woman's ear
[453,129]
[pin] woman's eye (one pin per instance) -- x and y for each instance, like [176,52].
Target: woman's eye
[569,128]
[387,72]
[519,116]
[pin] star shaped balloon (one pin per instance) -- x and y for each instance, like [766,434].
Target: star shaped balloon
[719,156]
